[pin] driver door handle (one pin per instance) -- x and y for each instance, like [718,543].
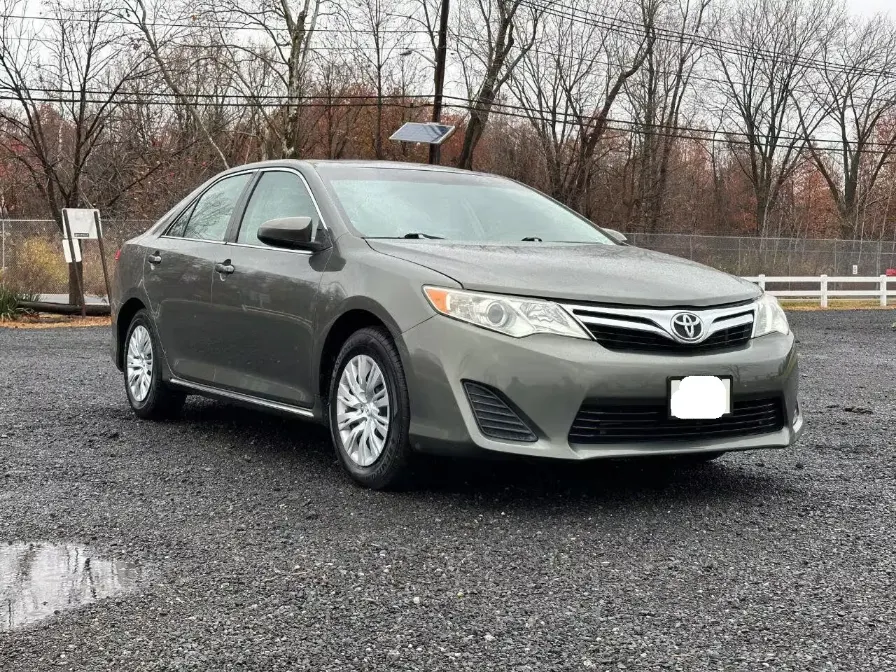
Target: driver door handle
[154,259]
[225,267]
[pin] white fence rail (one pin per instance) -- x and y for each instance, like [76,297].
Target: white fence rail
[878,287]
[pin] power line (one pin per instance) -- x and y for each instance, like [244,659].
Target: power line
[731,138]
[891,101]
[482,40]
[557,9]
[122,21]
[281,100]
[664,130]
[527,112]
[634,29]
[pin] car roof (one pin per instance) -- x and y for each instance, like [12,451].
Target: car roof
[354,163]
[394,165]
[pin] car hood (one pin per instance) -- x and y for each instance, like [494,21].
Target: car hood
[615,274]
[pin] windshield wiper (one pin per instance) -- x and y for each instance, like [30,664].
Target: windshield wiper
[532,239]
[417,236]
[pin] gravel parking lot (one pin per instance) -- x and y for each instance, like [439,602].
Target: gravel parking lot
[257,554]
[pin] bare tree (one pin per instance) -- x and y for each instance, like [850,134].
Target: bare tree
[378,38]
[63,78]
[765,50]
[656,95]
[855,90]
[339,117]
[285,49]
[491,54]
[553,80]
[570,82]
[139,14]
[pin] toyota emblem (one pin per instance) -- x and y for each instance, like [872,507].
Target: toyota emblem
[687,327]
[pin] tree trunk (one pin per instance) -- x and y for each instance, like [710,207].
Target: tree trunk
[378,141]
[471,138]
[761,213]
[488,92]
[295,65]
[849,220]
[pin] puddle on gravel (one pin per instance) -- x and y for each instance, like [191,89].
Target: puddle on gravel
[39,579]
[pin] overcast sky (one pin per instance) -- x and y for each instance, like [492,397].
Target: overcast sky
[869,7]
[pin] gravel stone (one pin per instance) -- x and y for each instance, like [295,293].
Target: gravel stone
[778,560]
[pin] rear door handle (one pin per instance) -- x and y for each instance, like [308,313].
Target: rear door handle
[154,259]
[225,268]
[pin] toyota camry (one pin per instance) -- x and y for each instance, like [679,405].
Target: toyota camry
[415,309]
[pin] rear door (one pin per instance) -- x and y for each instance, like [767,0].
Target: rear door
[177,271]
[265,300]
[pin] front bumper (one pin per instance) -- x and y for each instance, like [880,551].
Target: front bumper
[548,378]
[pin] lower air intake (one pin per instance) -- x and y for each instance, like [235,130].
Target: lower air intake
[494,416]
[623,422]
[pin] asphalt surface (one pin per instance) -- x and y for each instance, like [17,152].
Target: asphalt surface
[257,554]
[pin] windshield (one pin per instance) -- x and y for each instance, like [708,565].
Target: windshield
[407,203]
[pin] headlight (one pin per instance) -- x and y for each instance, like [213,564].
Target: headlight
[770,317]
[509,315]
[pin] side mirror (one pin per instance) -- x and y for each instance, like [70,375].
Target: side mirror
[616,237]
[292,233]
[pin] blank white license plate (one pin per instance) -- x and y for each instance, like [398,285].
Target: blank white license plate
[699,397]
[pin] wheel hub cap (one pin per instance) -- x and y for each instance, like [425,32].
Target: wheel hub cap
[139,363]
[362,410]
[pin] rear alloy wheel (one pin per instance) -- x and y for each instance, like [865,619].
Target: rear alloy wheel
[369,410]
[139,363]
[148,394]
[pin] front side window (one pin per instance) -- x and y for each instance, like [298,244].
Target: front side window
[209,218]
[278,194]
[398,203]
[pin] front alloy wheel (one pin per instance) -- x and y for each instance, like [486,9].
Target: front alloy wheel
[362,410]
[370,411]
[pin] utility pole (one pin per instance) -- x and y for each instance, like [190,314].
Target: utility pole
[441,49]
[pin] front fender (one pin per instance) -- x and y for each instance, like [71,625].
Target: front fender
[358,278]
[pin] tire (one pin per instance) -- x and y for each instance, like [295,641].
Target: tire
[390,467]
[157,400]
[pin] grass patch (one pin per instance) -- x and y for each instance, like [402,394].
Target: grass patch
[10,303]
[835,304]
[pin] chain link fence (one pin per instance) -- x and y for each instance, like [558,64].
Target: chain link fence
[31,254]
[776,256]
[31,258]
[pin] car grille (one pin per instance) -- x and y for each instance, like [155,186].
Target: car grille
[626,422]
[632,329]
[495,417]
[633,340]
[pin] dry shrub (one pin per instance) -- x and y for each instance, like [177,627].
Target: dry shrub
[94,282]
[39,267]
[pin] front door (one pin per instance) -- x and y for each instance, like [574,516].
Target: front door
[264,299]
[178,268]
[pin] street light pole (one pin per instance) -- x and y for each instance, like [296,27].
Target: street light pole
[441,49]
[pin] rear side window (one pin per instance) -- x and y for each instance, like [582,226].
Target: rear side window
[208,219]
[177,228]
[278,194]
